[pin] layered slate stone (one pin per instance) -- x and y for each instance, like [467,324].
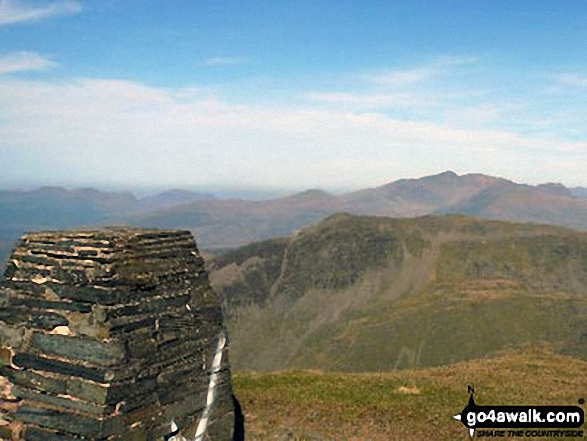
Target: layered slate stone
[111,335]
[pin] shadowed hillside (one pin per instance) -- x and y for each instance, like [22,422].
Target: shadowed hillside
[372,293]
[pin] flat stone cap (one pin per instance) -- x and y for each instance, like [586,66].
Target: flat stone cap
[106,257]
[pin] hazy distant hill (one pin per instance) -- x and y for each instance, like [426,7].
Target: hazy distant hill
[416,197]
[358,293]
[55,208]
[50,208]
[234,222]
[173,197]
[579,192]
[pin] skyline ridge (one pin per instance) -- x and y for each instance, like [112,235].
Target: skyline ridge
[212,192]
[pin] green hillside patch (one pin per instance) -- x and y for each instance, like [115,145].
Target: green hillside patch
[543,263]
[436,334]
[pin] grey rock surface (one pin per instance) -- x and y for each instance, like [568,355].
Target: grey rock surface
[112,334]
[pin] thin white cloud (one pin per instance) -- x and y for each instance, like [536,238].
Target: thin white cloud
[411,76]
[14,11]
[408,90]
[568,79]
[402,77]
[24,61]
[373,100]
[224,61]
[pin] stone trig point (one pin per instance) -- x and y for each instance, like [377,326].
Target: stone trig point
[113,334]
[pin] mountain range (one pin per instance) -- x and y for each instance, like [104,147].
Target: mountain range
[220,223]
[229,223]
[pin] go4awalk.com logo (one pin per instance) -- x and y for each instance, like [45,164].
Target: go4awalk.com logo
[520,421]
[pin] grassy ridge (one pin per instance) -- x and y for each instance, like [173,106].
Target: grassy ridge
[358,294]
[411,404]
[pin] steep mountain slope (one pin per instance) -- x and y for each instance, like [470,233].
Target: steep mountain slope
[416,197]
[372,294]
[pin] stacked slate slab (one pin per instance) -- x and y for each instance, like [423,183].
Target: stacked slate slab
[112,334]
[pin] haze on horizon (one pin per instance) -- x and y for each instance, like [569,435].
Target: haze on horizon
[287,95]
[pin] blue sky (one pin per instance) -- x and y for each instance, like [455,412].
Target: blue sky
[291,95]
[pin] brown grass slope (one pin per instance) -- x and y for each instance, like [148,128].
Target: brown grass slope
[414,404]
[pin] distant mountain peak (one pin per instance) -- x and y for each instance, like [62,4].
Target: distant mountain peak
[174,197]
[446,174]
[555,188]
[49,189]
[312,193]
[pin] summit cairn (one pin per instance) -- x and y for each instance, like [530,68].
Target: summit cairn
[113,334]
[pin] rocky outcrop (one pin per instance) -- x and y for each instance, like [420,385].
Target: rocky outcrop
[112,334]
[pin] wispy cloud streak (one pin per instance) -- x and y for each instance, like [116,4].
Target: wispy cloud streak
[225,61]
[571,79]
[24,61]
[411,76]
[12,11]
